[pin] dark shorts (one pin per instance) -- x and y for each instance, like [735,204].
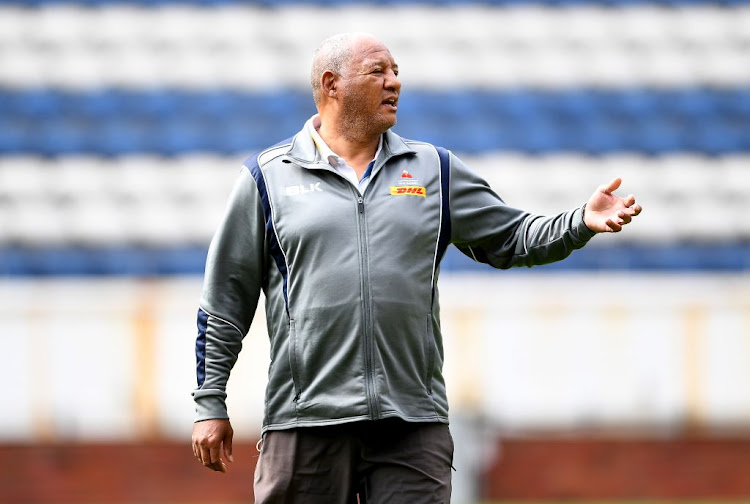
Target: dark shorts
[386,461]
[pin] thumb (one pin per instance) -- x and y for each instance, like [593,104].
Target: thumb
[612,186]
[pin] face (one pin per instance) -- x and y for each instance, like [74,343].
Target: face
[369,91]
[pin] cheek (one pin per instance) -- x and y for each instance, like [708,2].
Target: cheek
[364,98]
[363,95]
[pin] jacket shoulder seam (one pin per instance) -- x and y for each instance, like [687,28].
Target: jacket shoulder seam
[263,157]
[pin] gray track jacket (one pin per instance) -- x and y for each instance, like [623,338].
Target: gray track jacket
[351,281]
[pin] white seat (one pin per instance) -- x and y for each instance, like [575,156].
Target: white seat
[95,221]
[72,67]
[22,66]
[76,178]
[37,221]
[702,25]
[584,26]
[23,177]
[14,25]
[724,66]
[645,26]
[666,66]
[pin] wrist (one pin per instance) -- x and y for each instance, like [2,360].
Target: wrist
[583,217]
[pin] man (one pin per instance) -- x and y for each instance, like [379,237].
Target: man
[343,228]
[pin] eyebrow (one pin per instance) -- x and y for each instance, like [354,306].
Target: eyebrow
[380,63]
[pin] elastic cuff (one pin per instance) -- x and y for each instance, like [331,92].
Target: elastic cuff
[210,407]
[582,230]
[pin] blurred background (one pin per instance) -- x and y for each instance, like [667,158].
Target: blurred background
[622,373]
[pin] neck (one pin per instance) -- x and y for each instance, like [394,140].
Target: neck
[357,149]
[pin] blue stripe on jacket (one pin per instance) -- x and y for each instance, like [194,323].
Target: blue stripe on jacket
[200,347]
[273,240]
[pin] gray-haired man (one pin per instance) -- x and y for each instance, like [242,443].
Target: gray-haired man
[343,228]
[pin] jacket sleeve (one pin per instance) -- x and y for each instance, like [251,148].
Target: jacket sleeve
[233,280]
[486,229]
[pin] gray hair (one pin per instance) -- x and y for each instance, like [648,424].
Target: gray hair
[335,55]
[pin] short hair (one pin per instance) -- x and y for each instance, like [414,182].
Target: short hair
[335,55]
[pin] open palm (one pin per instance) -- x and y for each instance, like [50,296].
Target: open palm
[608,213]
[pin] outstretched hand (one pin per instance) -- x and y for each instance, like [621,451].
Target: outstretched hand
[608,213]
[210,439]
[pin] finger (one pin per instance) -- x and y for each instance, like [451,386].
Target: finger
[624,217]
[612,186]
[215,452]
[216,463]
[228,447]
[637,210]
[630,200]
[219,466]
[205,456]
[613,226]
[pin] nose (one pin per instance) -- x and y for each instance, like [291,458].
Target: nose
[392,83]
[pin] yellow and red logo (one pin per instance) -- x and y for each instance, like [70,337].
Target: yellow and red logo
[408,191]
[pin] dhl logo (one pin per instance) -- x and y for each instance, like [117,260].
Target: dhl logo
[408,191]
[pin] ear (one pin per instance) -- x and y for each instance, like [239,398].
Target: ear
[328,82]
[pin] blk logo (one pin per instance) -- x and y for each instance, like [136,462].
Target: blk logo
[296,190]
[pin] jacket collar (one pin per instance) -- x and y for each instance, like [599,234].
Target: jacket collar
[305,153]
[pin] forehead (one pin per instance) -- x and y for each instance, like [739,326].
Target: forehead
[371,51]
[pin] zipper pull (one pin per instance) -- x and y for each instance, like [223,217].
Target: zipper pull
[361,205]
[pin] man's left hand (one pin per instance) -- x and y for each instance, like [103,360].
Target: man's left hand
[608,213]
[210,439]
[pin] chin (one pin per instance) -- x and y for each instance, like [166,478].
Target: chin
[385,123]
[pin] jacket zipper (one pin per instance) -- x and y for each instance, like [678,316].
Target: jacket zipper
[372,403]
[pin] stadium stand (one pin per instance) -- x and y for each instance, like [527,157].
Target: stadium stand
[122,125]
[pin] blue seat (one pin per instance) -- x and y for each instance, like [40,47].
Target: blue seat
[34,103]
[720,137]
[659,136]
[60,261]
[632,103]
[538,136]
[175,136]
[517,104]
[596,136]
[578,104]
[15,136]
[123,260]
[153,104]
[58,136]
[735,103]
[212,104]
[94,104]
[691,104]
[179,260]
[120,136]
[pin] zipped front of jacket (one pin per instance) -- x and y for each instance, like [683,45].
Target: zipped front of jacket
[364,275]
[368,344]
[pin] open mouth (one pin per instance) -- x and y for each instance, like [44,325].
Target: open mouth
[391,102]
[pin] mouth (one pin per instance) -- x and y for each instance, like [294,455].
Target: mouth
[391,102]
